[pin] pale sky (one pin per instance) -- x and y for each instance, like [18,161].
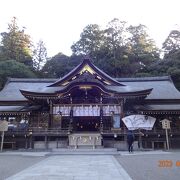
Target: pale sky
[59,22]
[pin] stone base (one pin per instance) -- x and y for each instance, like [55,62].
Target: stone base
[39,145]
[50,144]
[92,140]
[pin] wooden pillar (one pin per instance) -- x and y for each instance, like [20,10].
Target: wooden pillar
[71,116]
[46,141]
[30,141]
[50,114]
[122,110]
[140,139]
[122,115]
[26,141]
[152,144]
[71,120]
[38,118]
[101,114]
[60,120]
[2,140]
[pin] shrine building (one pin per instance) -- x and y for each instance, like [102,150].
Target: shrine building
[88,108]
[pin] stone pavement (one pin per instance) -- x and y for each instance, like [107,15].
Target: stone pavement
[136,153]
[147,166]
[78,167]
[140,165]
[16,153]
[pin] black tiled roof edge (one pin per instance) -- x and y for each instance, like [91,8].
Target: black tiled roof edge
[31,80]
[156,78]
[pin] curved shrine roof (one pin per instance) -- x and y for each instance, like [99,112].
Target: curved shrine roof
[161,88]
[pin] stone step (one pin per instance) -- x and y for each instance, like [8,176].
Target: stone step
[83,149]
[84,153]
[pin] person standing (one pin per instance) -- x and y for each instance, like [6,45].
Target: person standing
[130,140]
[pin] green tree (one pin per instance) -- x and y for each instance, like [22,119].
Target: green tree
[142,49]
[118,50]
[115,49]
[39,56]
[16,44]
[170,64]
[105,47]
[115,36]
[59,65]
[12,68]
[172,44]
[90,42]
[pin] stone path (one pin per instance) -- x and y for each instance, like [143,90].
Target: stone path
[136,153]
[79,167]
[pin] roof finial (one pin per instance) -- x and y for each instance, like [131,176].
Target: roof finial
[86,58]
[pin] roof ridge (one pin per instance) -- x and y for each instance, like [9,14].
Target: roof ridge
[80,67]
[31,79]
[155,78]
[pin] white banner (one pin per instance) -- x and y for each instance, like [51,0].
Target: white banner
[87,110]
[111,109]
[63,110]
[139,122]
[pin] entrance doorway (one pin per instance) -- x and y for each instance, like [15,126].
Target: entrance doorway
[86,124]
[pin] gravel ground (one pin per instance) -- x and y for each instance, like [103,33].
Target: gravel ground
[10,165]
[141,167]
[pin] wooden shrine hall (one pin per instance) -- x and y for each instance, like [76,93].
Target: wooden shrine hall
[89,108]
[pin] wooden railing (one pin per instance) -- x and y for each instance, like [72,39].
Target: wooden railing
[38,131]
[50,131]
[65,131]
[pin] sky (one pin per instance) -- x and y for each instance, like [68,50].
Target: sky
[59,22]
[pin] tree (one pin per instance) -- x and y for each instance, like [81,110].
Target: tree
[16,44]
[105,47]
[172,43]
[40,56]
[115,49]
[118,50]
[90,42]
[170,64]
[59,65]
[142,49]
[115,35]
[12,68]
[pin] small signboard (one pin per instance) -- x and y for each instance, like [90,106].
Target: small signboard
[3,125]
[165,124]
[116,121]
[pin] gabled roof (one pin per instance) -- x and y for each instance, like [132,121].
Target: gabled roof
[11,90]
[163,87]
[17,109]
[155,88]
[87,79]
[87,74]
[86,65]
[116,90]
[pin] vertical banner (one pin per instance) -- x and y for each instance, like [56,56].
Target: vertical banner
[116,121]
